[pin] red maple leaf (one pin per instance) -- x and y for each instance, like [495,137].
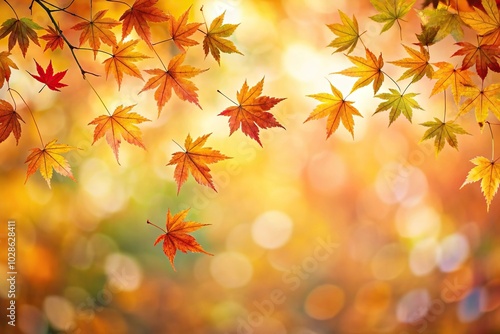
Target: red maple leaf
[49,78]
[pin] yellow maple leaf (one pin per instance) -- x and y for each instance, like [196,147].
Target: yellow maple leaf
[488,171]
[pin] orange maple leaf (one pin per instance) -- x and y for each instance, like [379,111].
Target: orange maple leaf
[175,78]
[180,30]
[53,38]
[5,64]
[485,22]
[336,108]
[369,69]
[448,75]
[122,124]
[122,61]
[483,55]
[47,159]
[252,111]
[418,65]
[215,40]
[9,122]
[96,30]
[21,31]
[482,100]
[176,236]
[138,16]
[195,159]
[488,171]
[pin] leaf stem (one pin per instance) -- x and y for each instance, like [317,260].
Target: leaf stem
[100,99]
[122,2]
[221,93]
[361,40]
[204,21]
[387,75]
[492,142]
[158,56]
[150,223]
[8,4]
[444,115]
[165,40]
[182,148]
[31,113]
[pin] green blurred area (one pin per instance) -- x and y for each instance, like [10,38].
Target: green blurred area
[309,236]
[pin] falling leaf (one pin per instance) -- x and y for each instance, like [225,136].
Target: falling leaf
[252,111]
[488,172]
[180,30]
[369,69]
[47,159]
[53,38]
[122,61]
[48,77]
[9,122]
[336,108]
[390,11]
[418,65]
[176,236]
[443,132]
[195,159]
[174,78]
[122,124]
[215,40]
[444,20]
[450,76]
[428,35]
[5,64]
[21,31]
[97,30]
[485,22]
[398,103]
[481,100]
[138,16]
[347,32]
[484,56]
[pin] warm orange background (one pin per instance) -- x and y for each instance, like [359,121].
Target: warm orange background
[309,236]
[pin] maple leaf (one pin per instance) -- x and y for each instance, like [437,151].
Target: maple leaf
[176,236]
[5,64]
[488,171]
[122,124]
[448,75]
[138,16]
[484,56]
[428,36]
[48,77]
[485,22]
[48,159]
[368,70]
[174,78]
[398,103]
[53,38]
[215,39]
[443,132]
[21,31]
[180,30]
[347,32]
[195,159]
[122,61]
[444,20]
[390,11]
[252,111]
[418,65]
[336,108]
[482,100]
[9,122]
[97,30]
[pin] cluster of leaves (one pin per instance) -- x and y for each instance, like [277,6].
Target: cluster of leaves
[251,112]
[466,84]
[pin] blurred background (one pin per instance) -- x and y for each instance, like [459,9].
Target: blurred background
[309,236]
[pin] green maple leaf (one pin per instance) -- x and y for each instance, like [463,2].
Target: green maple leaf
[443,132]
[390,11]
[445,21]
[347,32]
[398,103]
